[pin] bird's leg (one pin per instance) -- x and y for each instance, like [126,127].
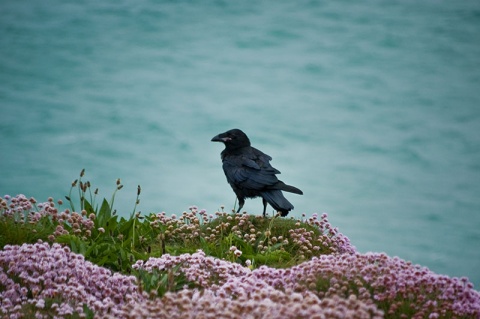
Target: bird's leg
[264,206]
[241,202]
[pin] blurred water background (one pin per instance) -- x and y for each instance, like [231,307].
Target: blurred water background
[372,108]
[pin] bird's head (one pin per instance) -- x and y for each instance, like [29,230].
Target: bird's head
[232,139]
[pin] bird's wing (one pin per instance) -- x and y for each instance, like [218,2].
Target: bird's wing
[251,170]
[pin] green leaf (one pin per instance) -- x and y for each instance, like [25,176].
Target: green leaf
[89,208]
[88,312]
[125,227]
[104,214]
[111,224]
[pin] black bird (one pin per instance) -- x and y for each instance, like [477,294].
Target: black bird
[250,174]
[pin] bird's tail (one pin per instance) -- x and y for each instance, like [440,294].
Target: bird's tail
[288,188]
[276,199]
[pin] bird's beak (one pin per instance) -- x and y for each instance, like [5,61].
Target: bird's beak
[219,139]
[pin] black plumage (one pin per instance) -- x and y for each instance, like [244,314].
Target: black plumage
[250,174]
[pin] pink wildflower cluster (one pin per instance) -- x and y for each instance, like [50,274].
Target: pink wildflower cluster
[322,238]
[22,210]
[202,270]
[186,227]
[39,274]
[72,222]
[330,286]
[253,304]
[393,284]
[333,286]
[231,291]
[330,236]
[16,206]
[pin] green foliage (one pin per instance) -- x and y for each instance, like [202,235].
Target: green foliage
[157,282]
[18,230]
[114,242]
[106,239]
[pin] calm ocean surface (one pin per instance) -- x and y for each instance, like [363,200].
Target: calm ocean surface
[371,108]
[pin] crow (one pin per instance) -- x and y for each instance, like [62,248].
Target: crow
[250,174]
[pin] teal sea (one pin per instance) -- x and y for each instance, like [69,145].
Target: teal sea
[372,108]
